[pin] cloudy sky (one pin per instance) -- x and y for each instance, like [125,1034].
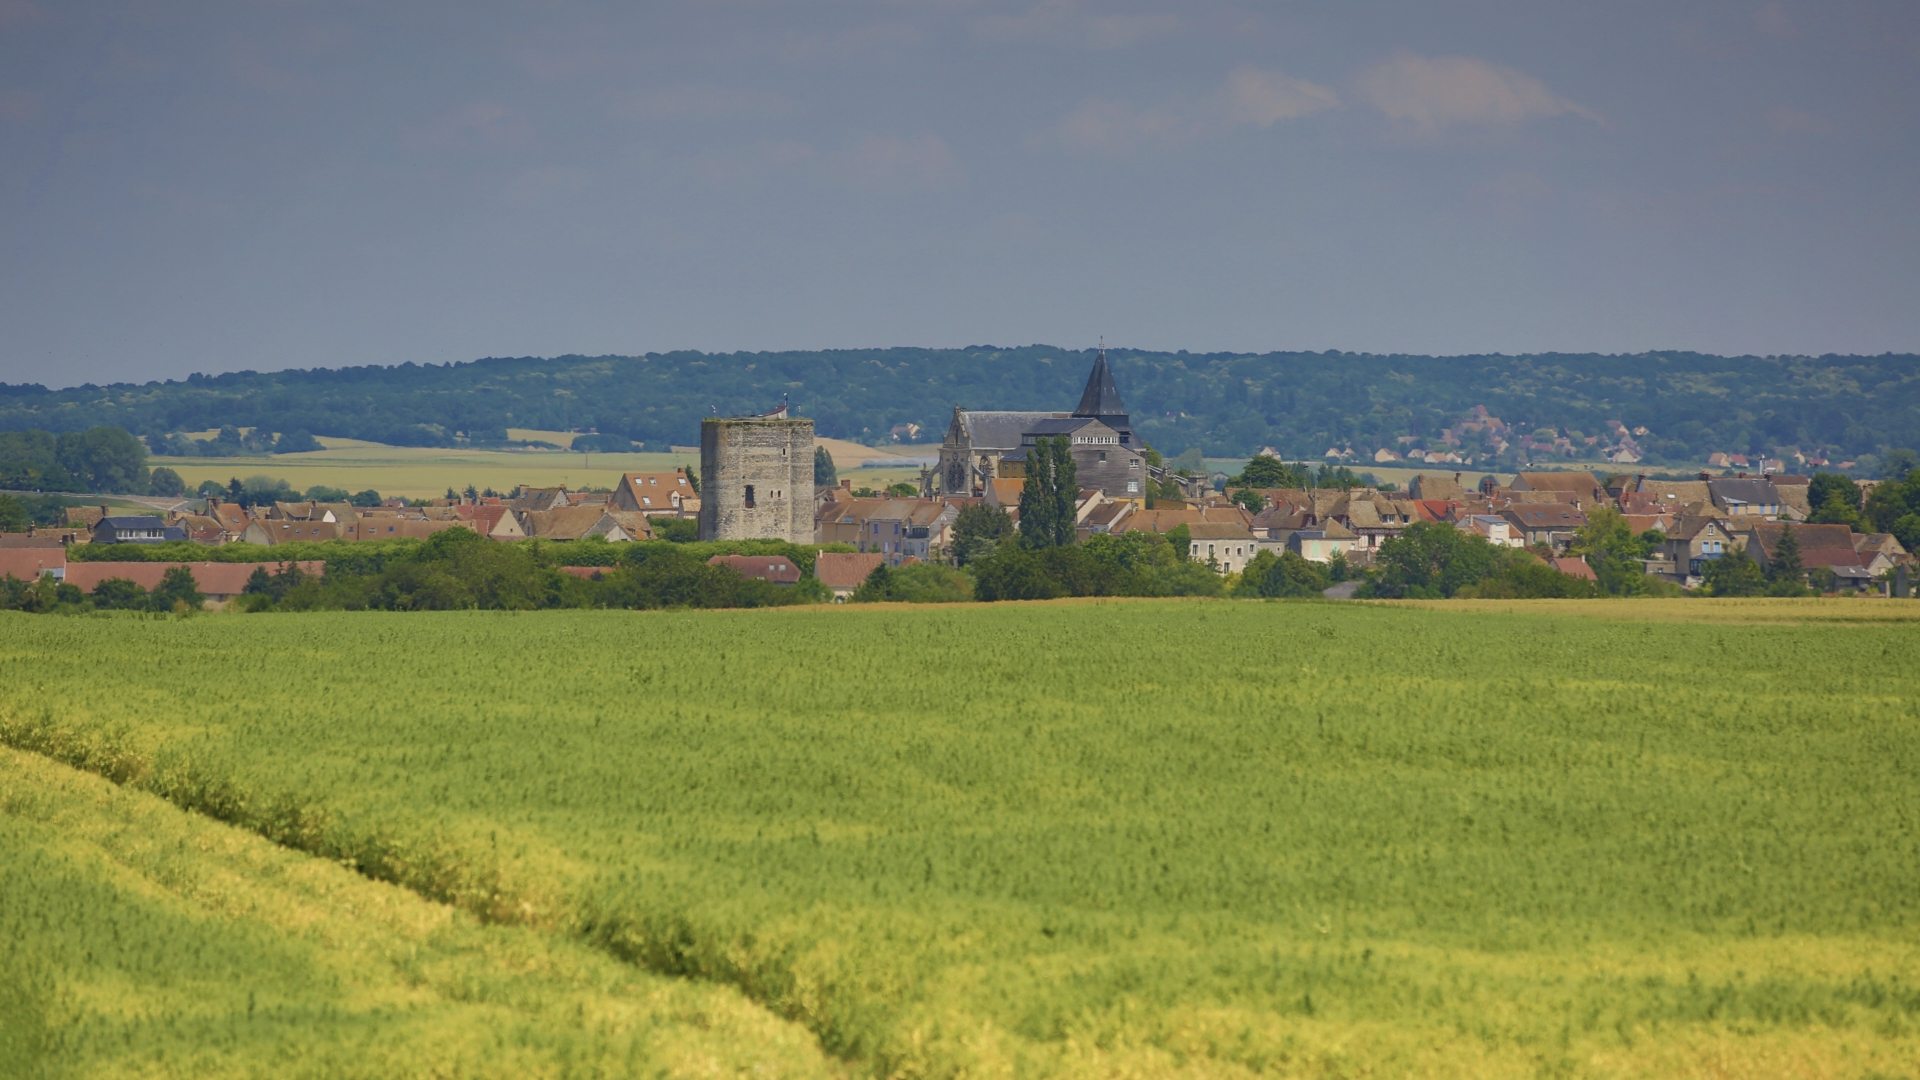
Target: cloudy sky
[203,186]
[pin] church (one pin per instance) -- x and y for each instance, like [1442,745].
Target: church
[982,445]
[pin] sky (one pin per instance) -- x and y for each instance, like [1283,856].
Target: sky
[200,186]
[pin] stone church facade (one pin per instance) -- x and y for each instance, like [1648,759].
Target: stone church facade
[982,445]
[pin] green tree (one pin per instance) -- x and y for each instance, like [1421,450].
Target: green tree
[824,472]
[1287,574]
[1266,471]
[1048,496]
[978,530]
[1181,539]
[1734,574]
[1613,551]
[13,514]
[1252,500]
[903,490]
[104,459]
[1429,559]
[178,591]
[119,594]
[368,497]
[165,483]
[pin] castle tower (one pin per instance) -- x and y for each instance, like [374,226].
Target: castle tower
[1101,400]
[756,478]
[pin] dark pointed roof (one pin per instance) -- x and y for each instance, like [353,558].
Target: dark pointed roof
[1101,399]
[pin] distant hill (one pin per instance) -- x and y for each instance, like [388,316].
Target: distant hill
[1227,404]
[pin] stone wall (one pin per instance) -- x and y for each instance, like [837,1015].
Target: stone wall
[756,479]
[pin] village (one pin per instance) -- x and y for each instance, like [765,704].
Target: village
[757,481]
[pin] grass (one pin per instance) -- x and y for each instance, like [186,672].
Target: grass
[427,472]
[1106,837]
[137,939]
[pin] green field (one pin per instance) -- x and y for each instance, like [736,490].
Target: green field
[427,472]
[161,943]
[1088,838]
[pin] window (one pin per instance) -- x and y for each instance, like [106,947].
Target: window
[1134,464]
[749,496]
[1133,486]
[1103,455]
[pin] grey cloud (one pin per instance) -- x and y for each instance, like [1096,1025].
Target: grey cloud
[1434,92]
[1248,97]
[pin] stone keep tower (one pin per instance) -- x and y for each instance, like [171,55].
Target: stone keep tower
[756,478]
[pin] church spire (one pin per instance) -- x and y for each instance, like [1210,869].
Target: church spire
[1101,399]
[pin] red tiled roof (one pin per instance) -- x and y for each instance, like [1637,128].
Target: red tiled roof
[28,563]
[1573,568]
[845,570]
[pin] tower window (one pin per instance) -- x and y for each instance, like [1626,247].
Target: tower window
[749,496]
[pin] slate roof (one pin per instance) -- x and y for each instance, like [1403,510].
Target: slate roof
[1101,398]
[1063,426]
[1747,492]
[1546,516]
[1001,430]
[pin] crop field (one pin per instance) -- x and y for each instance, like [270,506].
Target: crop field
[1080,838]
[141,939]
[427,472]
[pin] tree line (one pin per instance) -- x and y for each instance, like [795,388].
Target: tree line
[1227,404]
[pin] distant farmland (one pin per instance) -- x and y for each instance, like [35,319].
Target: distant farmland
[1587,838]
[427,472]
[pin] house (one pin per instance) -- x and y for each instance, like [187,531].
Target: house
[662,494]
[1321,544]
[1868,544]
[136,529]
[267,531]
[218,582]
[30,563]
[1670,496]
[1494,528]
[773,569]
[1545,524]
[539,499]
[38,537]
[1103,519]
[1436,486]
[1225,546]
[583,522]
[1583,487]
[842,572]
[1574,568]
[1744,497]
[1822,547]
[1695,541]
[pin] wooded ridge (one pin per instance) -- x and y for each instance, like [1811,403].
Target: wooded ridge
[1228,404]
